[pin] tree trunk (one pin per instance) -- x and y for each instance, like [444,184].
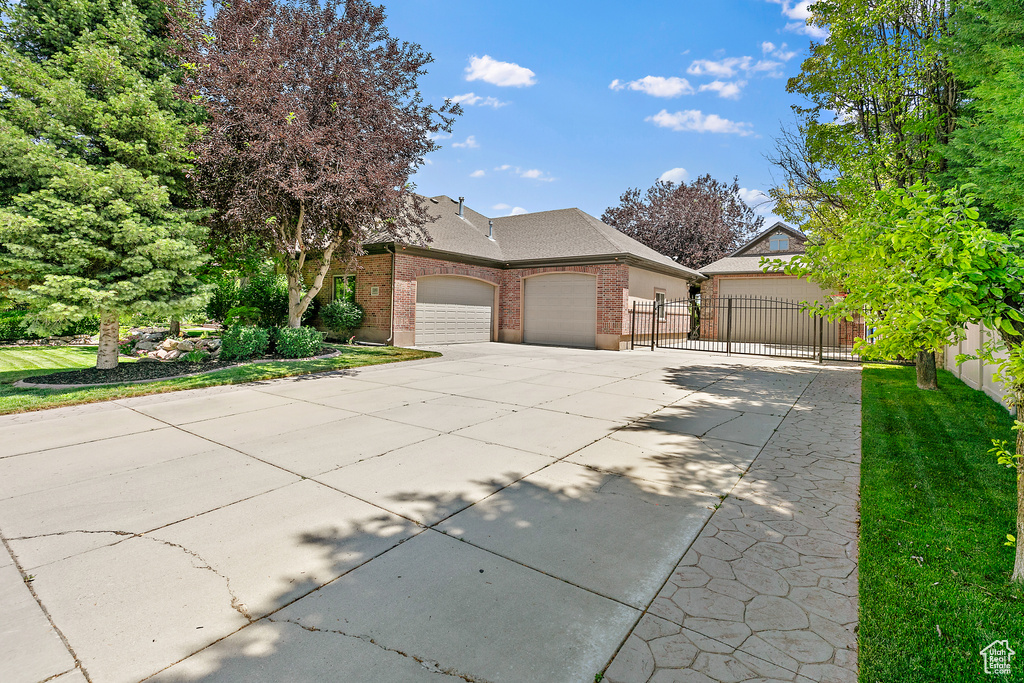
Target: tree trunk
[106,354]
[297,302]
[175,326]
[1018,565]
[927,375]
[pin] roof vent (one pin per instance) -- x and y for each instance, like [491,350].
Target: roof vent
[490,229]
[461,199]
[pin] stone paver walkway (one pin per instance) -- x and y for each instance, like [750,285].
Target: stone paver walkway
[768,591]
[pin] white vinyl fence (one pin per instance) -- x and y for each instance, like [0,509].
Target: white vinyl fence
[975,373]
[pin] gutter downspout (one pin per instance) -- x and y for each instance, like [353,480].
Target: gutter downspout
[388,340]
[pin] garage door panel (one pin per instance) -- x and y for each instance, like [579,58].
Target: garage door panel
[767,311]
[453,310]
[561,309]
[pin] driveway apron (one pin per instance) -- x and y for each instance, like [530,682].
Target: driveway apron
[504,513]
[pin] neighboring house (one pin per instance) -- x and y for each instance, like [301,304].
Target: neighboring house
[739,274]
[555,277]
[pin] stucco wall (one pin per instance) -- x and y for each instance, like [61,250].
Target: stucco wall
[975,373]
[642,284]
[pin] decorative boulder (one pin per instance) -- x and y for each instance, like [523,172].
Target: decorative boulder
[185,346]
[145,346]
[168,345]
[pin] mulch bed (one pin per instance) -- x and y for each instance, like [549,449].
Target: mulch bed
[148,371]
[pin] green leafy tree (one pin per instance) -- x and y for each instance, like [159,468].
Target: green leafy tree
[987,149]
[880,104]
[920,266]
[93,155]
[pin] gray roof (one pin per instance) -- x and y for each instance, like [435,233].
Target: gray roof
[546,235]
[734,265]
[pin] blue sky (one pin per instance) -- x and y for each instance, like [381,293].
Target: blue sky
[571,103]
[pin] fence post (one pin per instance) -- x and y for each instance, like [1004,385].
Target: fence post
[728,328]
[654,324]
[632,329]
[821,339]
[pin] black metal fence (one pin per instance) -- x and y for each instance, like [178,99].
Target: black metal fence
[744,325]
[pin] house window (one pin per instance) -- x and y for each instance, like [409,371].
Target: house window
[345,288]
[778,243]
[659,303]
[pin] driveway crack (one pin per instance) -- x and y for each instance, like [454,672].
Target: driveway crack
[236,602]
[428,664]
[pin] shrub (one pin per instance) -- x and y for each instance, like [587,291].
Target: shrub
[243,315]
[341,316]
[269,294]
[225,297]
[193,356]
[298,342]
[243,341]
[13,325]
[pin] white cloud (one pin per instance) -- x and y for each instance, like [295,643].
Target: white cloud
[438,136]
[470,143]
[769,48]
[474,100]
[492,71]
[512,210]
[730,91]
[657,86]
[478,174]
[730,66]
[529,174]
[816,32]
[757,200]
[674,175]
[799,11]
[696,121]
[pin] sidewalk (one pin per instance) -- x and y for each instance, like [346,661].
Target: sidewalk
[768,592]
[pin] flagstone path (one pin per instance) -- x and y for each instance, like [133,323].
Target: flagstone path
[768,591]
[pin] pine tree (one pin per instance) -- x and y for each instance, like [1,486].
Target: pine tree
[93,156]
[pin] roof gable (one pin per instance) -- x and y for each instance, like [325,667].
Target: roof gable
[763,236]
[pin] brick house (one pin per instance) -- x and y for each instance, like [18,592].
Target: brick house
[554,277]
[739,274]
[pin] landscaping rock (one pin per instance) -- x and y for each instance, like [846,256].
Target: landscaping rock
[145,346]
[168,345]
[185,346]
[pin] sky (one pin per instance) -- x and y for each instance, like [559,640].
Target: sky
[569,104]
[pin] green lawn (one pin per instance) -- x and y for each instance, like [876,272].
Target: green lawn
[931,490]
[18,363]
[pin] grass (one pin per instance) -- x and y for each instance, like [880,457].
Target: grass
[930,490]
[19,363]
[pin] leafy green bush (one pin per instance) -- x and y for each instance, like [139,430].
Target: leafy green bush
[244,341]
[341,316]
[225,297]
[268,293]
[298,342]
[13,325]
[243,315]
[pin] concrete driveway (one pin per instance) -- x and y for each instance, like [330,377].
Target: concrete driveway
[504,513]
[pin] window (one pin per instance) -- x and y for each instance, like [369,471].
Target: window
[659,303]
[778,243]
[345,288]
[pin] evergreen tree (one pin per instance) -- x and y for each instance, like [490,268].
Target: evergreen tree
[93,155]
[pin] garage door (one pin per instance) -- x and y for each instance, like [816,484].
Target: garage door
[453,310]
[561,309]
[761,314]
[786,288]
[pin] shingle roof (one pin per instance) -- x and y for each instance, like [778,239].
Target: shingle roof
[734,265]
[778,225]
[559,234]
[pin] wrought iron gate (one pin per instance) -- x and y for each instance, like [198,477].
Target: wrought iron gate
[744,325]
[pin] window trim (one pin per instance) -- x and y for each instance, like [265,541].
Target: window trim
[659,304]
[778,240]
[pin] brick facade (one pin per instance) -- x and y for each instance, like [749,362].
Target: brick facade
[375,270]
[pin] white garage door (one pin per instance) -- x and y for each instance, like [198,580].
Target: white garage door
[453,310]
[761,315]
[786,288]
[561,309]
